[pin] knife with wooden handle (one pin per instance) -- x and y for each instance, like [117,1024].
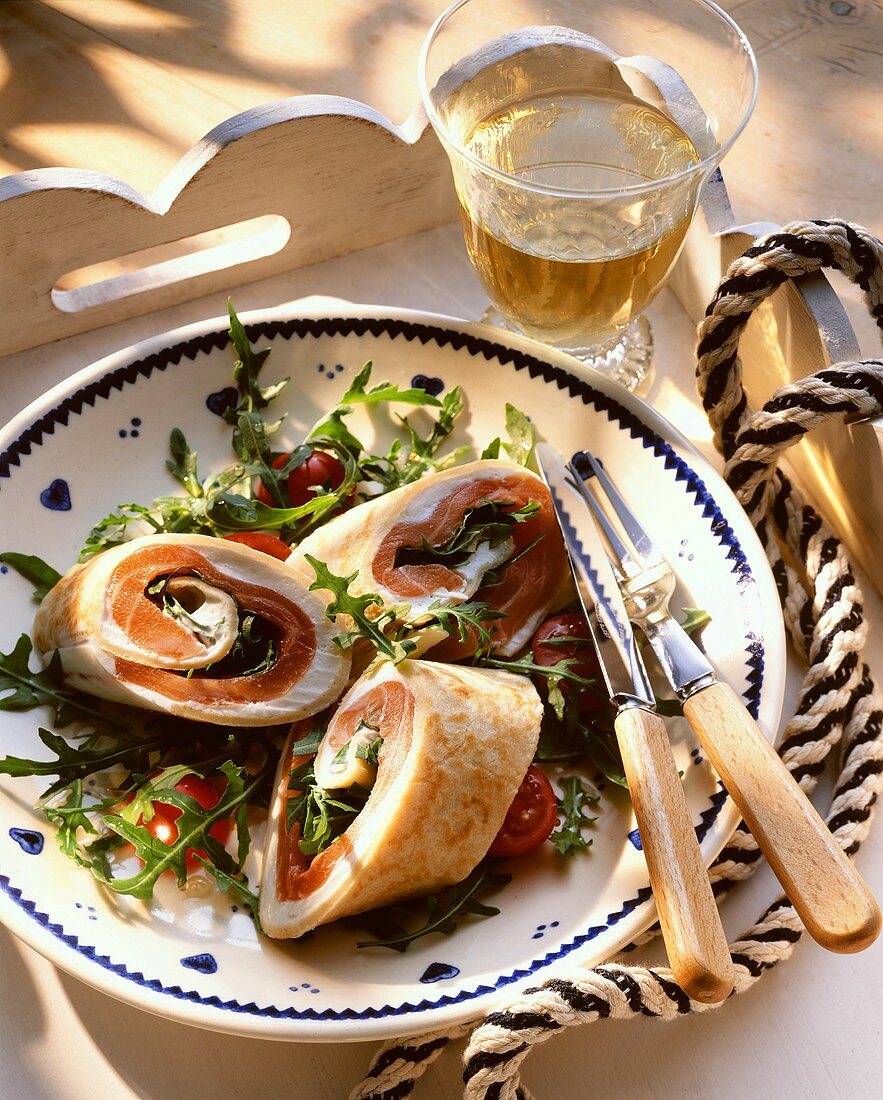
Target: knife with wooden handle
[691,927]
[827,892]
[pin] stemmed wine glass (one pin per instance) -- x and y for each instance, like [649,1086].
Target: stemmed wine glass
[580,135]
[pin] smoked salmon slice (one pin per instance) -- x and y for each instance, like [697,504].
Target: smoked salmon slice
[456,742]
[521,576]
[194,626]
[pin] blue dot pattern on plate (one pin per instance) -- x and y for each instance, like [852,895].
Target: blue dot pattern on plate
[542,928]
[436,972]
[432,386]
[204,963]
[329,372]
[303,985]
[222,400]
[635,838]
[135,424]
[57,497]
[4,568]
[29,840]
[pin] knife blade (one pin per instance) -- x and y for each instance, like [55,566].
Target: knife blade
[603,605]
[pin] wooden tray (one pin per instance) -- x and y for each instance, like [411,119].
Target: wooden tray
[335,177]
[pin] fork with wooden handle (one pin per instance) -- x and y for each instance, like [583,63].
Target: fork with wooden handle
[831,898]
[691,927]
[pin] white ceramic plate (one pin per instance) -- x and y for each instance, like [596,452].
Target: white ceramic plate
[100,439]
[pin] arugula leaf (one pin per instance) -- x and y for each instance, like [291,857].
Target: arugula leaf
[251,444]
[246,370]
[438,913]
[568,838]
[113,530]
[238,883]
[370,753]
[383,392]
[405,463]
[325,816]
[42,576]
[74,763]
[45,687]
[552,673]
[490,522]
[231,512]
[356,607]
[194,831]
[425,448]
[492,450]
[460,621]
[69,817]
[522,436]
[182,464]
[309,745]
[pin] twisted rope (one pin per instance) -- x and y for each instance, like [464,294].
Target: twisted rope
[838,705]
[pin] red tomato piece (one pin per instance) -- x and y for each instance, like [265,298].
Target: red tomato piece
[321,468]
[266,544]
[547,652]
[530,819]
[207,792]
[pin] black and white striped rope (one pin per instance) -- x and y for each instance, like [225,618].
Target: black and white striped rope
[838,705]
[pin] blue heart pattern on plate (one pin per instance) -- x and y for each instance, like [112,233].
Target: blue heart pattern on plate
[222,400]
[432,386]
[204,963]
[57,497]
[435,972]
[29,840]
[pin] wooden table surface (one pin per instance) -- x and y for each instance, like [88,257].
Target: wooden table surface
[125,87]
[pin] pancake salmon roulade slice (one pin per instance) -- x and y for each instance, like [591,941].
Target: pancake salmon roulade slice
[194,626]
[451,743]
[486,528]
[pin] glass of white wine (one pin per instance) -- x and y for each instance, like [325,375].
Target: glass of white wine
[581,134]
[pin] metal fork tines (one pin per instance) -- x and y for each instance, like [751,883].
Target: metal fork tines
[647,582]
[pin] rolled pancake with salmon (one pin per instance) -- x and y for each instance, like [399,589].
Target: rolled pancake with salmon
[388,543]
[194,626]
[456,742]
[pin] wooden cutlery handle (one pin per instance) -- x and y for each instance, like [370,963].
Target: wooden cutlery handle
[691,926]
[830,896]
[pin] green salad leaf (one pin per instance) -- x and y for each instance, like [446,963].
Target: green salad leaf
[398,926]
[490,522]
[42,576]
[344,602]
[26,689]
[522,436]
[568,838]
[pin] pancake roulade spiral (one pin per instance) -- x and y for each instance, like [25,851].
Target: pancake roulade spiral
[172,623]
[455,743]
[384,541]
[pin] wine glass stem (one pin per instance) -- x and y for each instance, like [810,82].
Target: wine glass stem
[626,358]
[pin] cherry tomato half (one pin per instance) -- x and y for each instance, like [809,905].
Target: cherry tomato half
[530,819]
[320,468]
[266,544]
[207,792]
[547,652]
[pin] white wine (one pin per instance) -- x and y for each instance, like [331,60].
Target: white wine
[568,267]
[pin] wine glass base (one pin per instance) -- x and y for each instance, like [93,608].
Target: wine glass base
[627,358]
